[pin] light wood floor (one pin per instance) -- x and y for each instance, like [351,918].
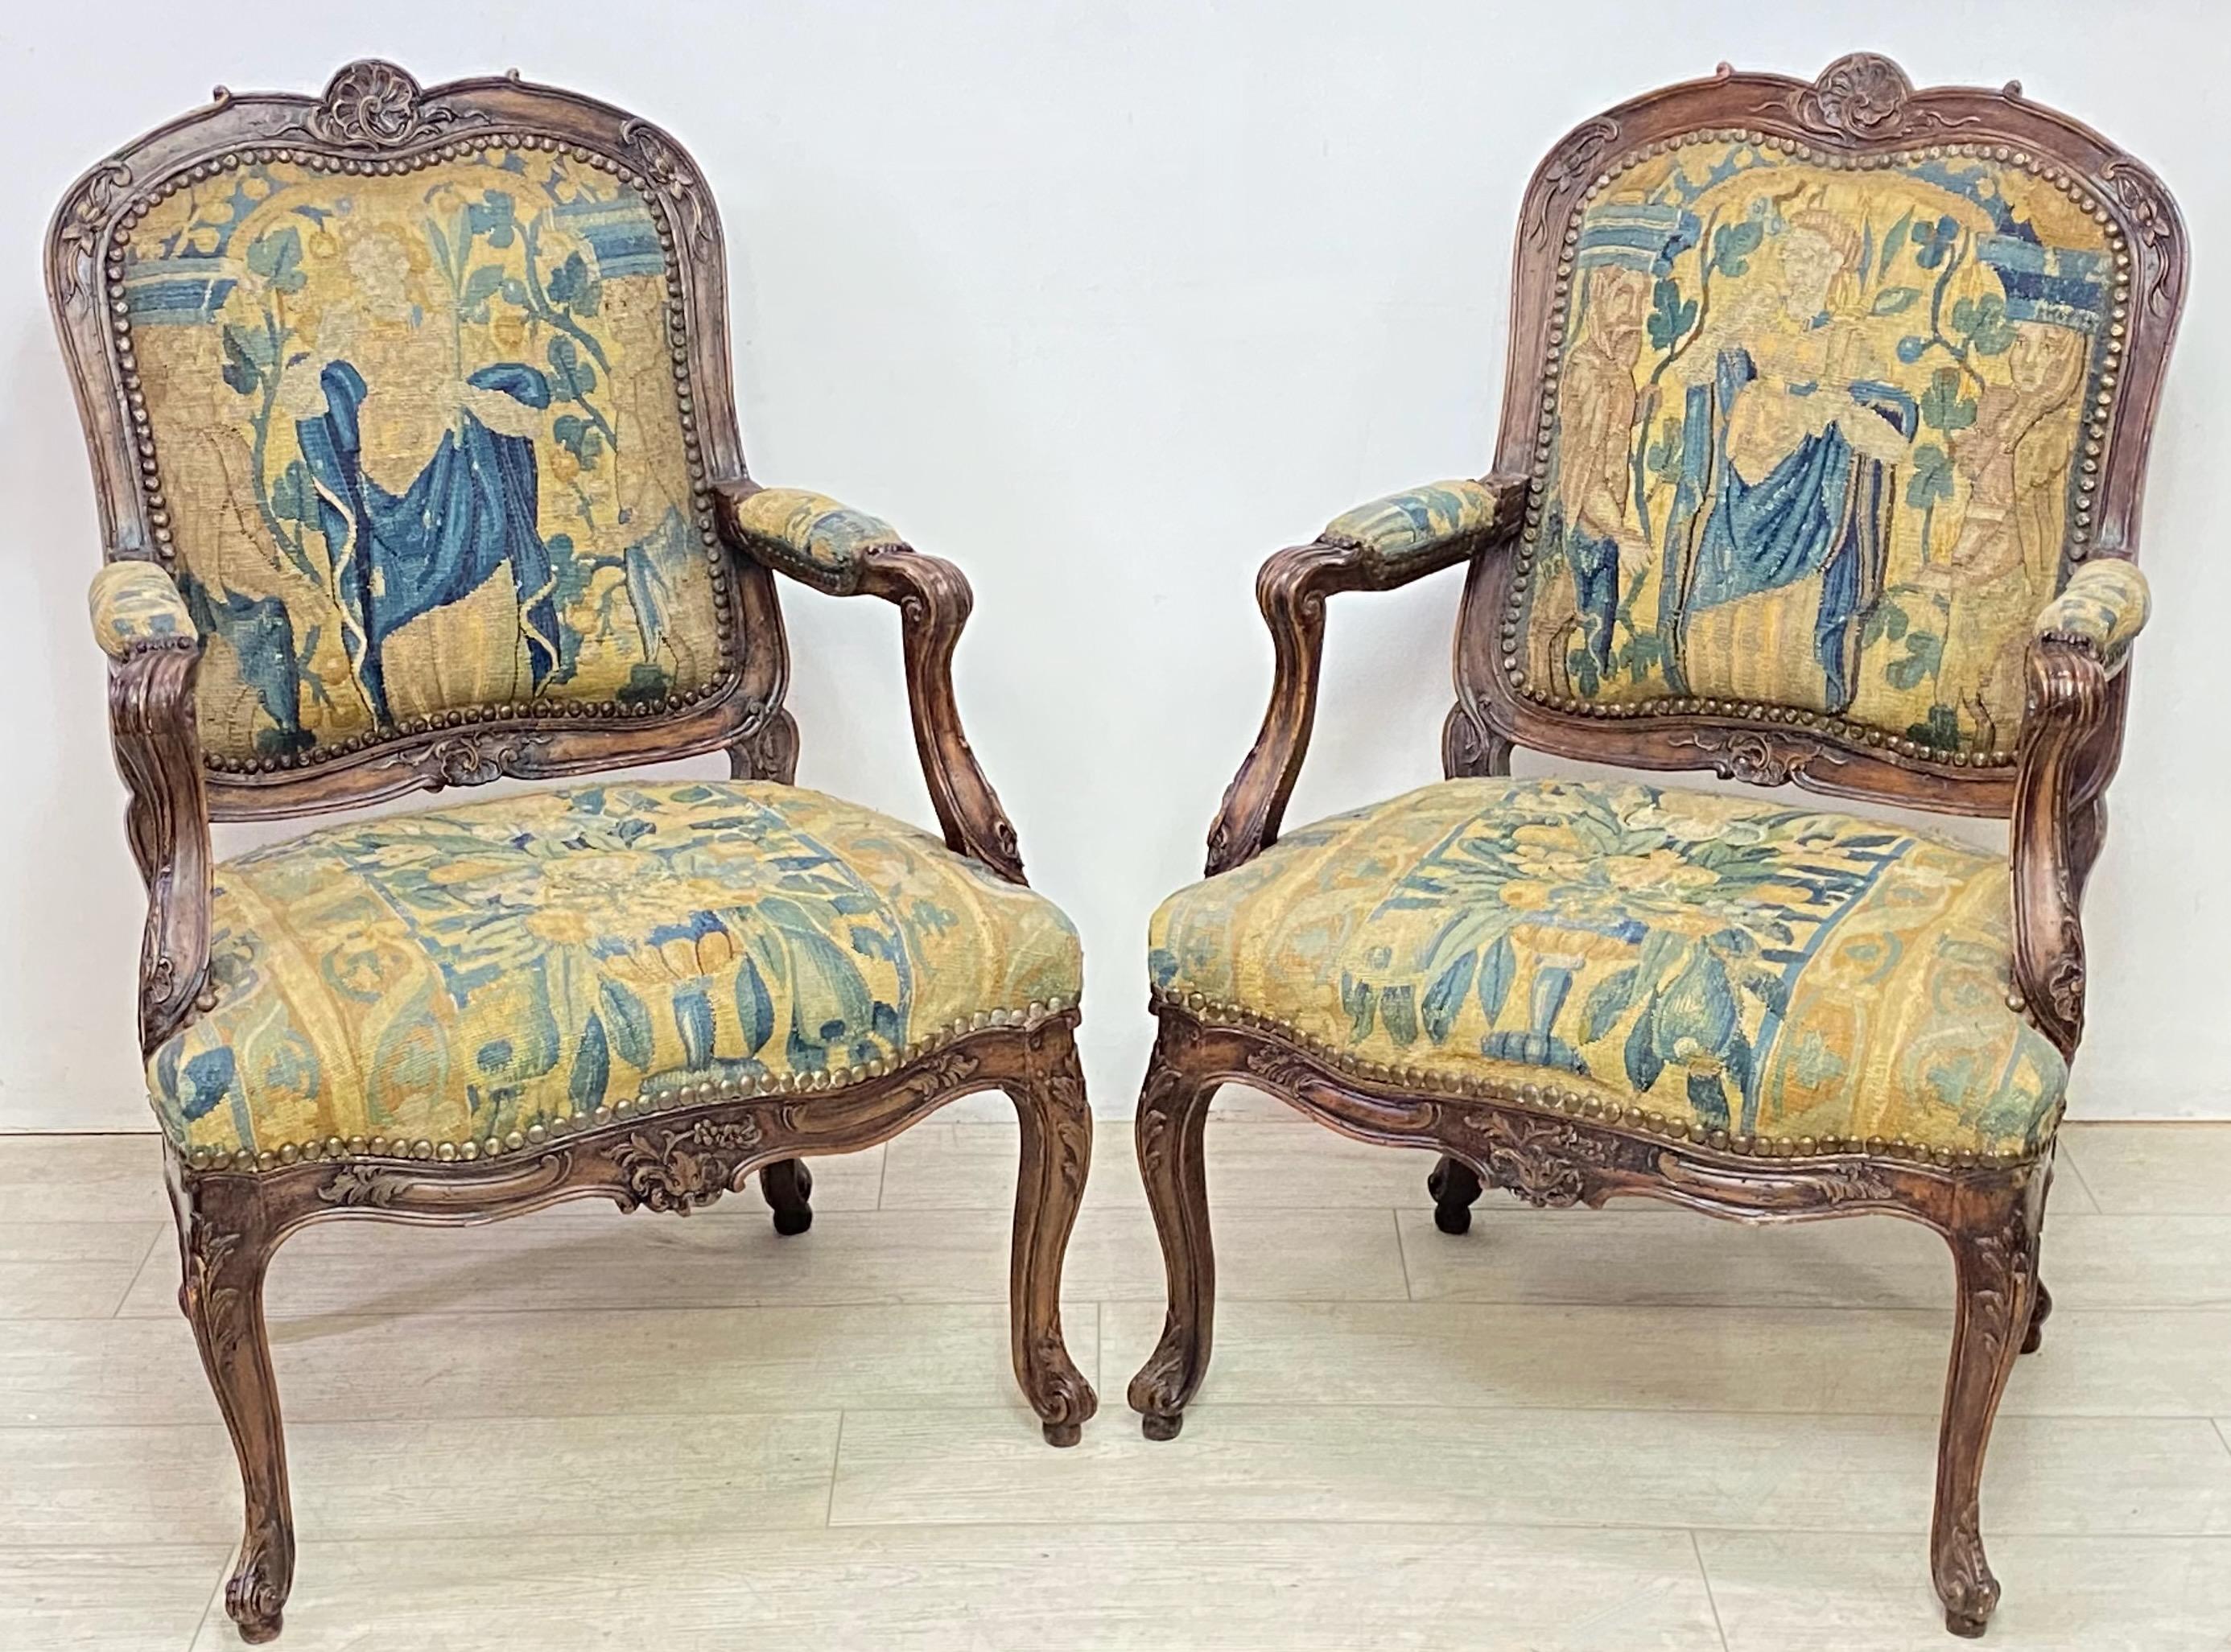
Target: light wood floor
[1617,1429]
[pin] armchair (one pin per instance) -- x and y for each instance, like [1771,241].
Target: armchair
[1824,434]
[410,423]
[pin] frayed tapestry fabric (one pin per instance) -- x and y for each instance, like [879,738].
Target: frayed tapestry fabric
[2105,603]
[460,975]
[421,444]
[811,536]
[1408,524]
[1738,964]
[132,604]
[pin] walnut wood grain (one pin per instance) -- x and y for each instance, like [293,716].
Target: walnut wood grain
[231,1221]
[1990,1214]
[151,712]
[933,600]
[1291,590]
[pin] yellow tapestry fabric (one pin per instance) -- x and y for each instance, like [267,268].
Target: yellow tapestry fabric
[420,444]
[1814,438]
[460,975]
[2105,603]
[135,602]
[1402,525]
[811,536]
[1733,963]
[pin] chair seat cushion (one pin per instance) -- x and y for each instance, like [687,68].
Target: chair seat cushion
[453,977]
[1732,964]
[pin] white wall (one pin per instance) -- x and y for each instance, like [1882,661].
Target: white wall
[1105,306]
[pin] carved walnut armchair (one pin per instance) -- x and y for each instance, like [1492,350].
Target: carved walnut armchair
[1823,440]
[411,419]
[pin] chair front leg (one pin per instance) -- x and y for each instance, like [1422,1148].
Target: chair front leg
[226,1240]
[1994,1241]
[1172,1111]
[1056,1154]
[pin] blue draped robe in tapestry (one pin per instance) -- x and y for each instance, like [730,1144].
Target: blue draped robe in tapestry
[1821,510]
[470,509]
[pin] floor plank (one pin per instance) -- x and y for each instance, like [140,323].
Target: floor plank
[83,1179]
[1630,1253]
[1253,1164]
[1841,1592]
[1283,1588]
[469,1478]
[2153,1169]
[1372,1463]
[2095,1363]
[342,1368]
[107,1600]
[585,1258]
[75,1270]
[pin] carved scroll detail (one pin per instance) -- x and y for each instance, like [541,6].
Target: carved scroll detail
[1754,756]
[475,760]
[1865,96]
[374,104]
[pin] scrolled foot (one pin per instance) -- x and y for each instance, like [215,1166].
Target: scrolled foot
[255,1594]
[1157,1425]
[1062,1433]
[1967,1628]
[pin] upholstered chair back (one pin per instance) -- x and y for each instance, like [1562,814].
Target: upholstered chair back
[408,384]
[1827,383]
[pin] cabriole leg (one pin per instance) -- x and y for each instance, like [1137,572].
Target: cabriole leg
[1173,1109]
[1056,1153]
[225,1244]
[1995,1262]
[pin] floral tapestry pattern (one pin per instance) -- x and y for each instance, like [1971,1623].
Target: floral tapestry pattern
[1746,966]
[420,443]
[463,973]
[1817,438]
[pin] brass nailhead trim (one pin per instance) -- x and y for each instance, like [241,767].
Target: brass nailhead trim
[2109,348]
[646,1100]
[1555,1099]
[491,145]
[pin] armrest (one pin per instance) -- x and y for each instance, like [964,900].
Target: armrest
[1377,546]
[846,552]
[134,602]
[2080,643]
[143,625]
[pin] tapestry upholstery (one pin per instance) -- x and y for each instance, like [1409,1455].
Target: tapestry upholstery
[811,536]
[1731,963]
[132,602]
[1405,523]
[457,975]
[421,444]
[1816,438]
[2104,603]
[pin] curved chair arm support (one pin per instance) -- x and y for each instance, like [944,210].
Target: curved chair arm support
[143,625]
[1374,547]
[2081,645]
[845,552]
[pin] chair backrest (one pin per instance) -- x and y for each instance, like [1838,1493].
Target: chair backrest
[1821,390]
[418,396]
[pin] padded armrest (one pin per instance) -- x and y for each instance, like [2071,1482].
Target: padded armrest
[134,603]
[1414,523]
[811,537]
[2104,607]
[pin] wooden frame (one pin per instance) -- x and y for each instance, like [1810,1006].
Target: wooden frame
[672,1152]
[1552,1147]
